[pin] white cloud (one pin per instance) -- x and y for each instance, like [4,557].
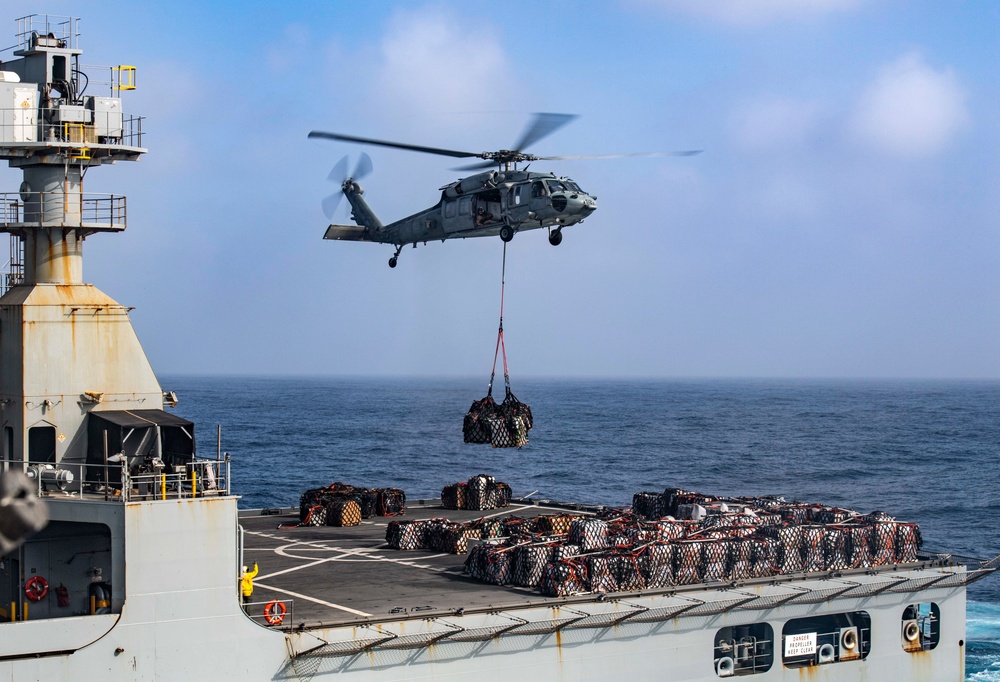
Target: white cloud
[752,12]
[435,62]
[778,122]
[911,109]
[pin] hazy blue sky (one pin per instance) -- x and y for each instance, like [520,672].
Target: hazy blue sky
[842,222]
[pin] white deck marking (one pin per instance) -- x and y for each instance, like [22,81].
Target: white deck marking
[343,554]
[314,600]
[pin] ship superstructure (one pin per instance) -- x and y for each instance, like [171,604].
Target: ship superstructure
[136,576]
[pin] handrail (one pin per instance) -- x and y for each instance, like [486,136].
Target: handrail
[20,210]
[45,125]
[82,481]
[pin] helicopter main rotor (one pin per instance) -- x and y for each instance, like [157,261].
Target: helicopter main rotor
[541,126]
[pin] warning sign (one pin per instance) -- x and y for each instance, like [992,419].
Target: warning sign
[800,645]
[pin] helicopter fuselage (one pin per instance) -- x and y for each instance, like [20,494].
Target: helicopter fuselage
[486,204]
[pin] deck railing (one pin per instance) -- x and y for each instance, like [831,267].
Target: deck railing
[19,210]
[115,481]
[36,126]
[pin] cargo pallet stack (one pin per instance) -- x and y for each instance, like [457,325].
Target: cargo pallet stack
[340,504]
[685,538]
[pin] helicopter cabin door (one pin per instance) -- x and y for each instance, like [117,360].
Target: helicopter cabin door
[458,214]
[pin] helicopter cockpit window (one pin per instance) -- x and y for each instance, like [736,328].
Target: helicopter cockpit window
[556,186]
[572,186]
[537,189]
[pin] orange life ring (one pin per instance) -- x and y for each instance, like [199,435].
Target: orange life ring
[36,588]
[274,612]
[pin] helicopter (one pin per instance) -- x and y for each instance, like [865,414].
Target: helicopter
[502,201]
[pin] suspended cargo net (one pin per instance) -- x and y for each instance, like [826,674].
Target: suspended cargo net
[505,425]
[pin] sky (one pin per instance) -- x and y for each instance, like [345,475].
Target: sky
[842,221]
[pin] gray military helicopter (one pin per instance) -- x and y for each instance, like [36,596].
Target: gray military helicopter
[502,201]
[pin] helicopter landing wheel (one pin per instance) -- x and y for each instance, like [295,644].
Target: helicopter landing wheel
[392,262]
[555,238]
[506,233]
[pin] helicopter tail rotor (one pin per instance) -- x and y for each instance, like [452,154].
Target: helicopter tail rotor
[339,175]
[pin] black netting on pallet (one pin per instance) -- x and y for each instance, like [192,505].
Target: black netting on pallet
[674,497]
[475,427]
[859,546]
[649,505]
[908,541]
[528,564]
[601,575]
[453,496]
[590,534]
[687,563]
[371,501]
[344,511]
[715,560]
[504,426]
[490,528]
[504,495]
[368,498]
[627,572]
[481,493]
[741,559]
[406,534]
[562,578]
[489,563]
[448,536]
[316,516]
[518,527]
[554,524]
[813,550]
[391,501]
[565,552]
[656,564]
[883,543]
[835,549]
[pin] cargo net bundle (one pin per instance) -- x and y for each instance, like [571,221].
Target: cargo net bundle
[505,425]
[340,504]
[480,493]
[684,538]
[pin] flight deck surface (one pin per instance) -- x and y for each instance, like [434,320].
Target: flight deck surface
[341,575]
[328,576]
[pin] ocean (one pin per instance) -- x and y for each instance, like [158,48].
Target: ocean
[923,451]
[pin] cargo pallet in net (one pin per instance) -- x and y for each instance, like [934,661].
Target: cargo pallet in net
[340,504]
[719,540]
[480,493]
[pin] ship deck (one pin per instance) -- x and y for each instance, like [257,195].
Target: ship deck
[342,575]
[331,576]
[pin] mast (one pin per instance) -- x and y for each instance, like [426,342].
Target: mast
[66,349]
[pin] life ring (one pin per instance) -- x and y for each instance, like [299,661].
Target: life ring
[36,588]
[274,612]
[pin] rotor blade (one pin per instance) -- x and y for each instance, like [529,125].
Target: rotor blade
[330,205]
[621,156]
[476,166]
[542,126]
[396,145]
[339,172]
[363,168]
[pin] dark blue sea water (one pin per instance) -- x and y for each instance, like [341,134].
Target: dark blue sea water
[921,451]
